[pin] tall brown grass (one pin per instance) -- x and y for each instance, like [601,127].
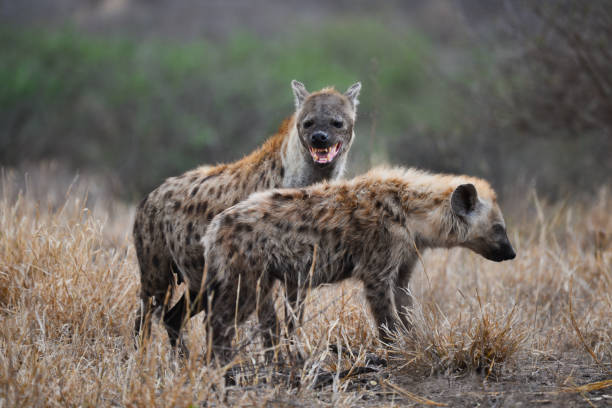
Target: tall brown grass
[68,293]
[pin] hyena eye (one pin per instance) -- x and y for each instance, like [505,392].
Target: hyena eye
[307,124]
[337,123]
[498,229]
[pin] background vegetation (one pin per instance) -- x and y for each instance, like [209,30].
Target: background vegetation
[519,93]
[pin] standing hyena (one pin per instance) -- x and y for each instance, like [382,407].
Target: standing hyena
[310,146]
[371,228]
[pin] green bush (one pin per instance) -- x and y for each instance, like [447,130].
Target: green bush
[148,109]
[144,109]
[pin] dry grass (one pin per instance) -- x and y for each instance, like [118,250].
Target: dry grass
[68,292]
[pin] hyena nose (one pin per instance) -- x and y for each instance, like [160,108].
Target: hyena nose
[509,252]
[319,138]
[511,255]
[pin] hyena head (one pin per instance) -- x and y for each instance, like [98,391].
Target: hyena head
[324,121]
[485,230]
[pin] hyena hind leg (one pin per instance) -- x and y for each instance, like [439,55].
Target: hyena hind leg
[268,319]
[293,316]
[269,325]
[230,308]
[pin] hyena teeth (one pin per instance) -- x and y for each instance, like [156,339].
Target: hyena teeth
[324,155]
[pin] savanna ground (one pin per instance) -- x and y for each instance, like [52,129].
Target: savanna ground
[533,331]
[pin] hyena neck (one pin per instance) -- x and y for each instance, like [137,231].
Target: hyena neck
[300,169]
[435,235]
[432,228]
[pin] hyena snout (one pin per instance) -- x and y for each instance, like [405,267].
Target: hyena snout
[505,252]
[319,139]
[501,250]
[323,146]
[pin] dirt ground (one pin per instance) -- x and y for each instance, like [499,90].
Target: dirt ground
[567,382]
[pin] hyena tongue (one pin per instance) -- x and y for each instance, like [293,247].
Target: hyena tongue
[322,158]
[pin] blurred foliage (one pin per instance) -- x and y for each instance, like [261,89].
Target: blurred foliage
[148,109]
[144,109]
[534,104]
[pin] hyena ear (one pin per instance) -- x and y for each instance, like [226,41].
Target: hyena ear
[300,93]
[353,92]
[464,199]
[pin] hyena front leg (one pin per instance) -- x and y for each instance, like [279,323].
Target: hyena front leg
[403,299]
[155,285]
[379,296]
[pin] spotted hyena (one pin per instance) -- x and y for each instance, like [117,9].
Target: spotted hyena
[310,146]
[370,228]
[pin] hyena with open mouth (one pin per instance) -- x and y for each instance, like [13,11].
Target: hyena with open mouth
[311,146]
[371,228]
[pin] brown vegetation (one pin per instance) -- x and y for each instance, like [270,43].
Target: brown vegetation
[538,329]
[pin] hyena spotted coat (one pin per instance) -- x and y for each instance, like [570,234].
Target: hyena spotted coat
[370,228]
[310,146]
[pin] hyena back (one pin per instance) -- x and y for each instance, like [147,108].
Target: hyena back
[310,146]
[370,228]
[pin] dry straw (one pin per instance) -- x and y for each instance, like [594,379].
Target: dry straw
[68,295]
